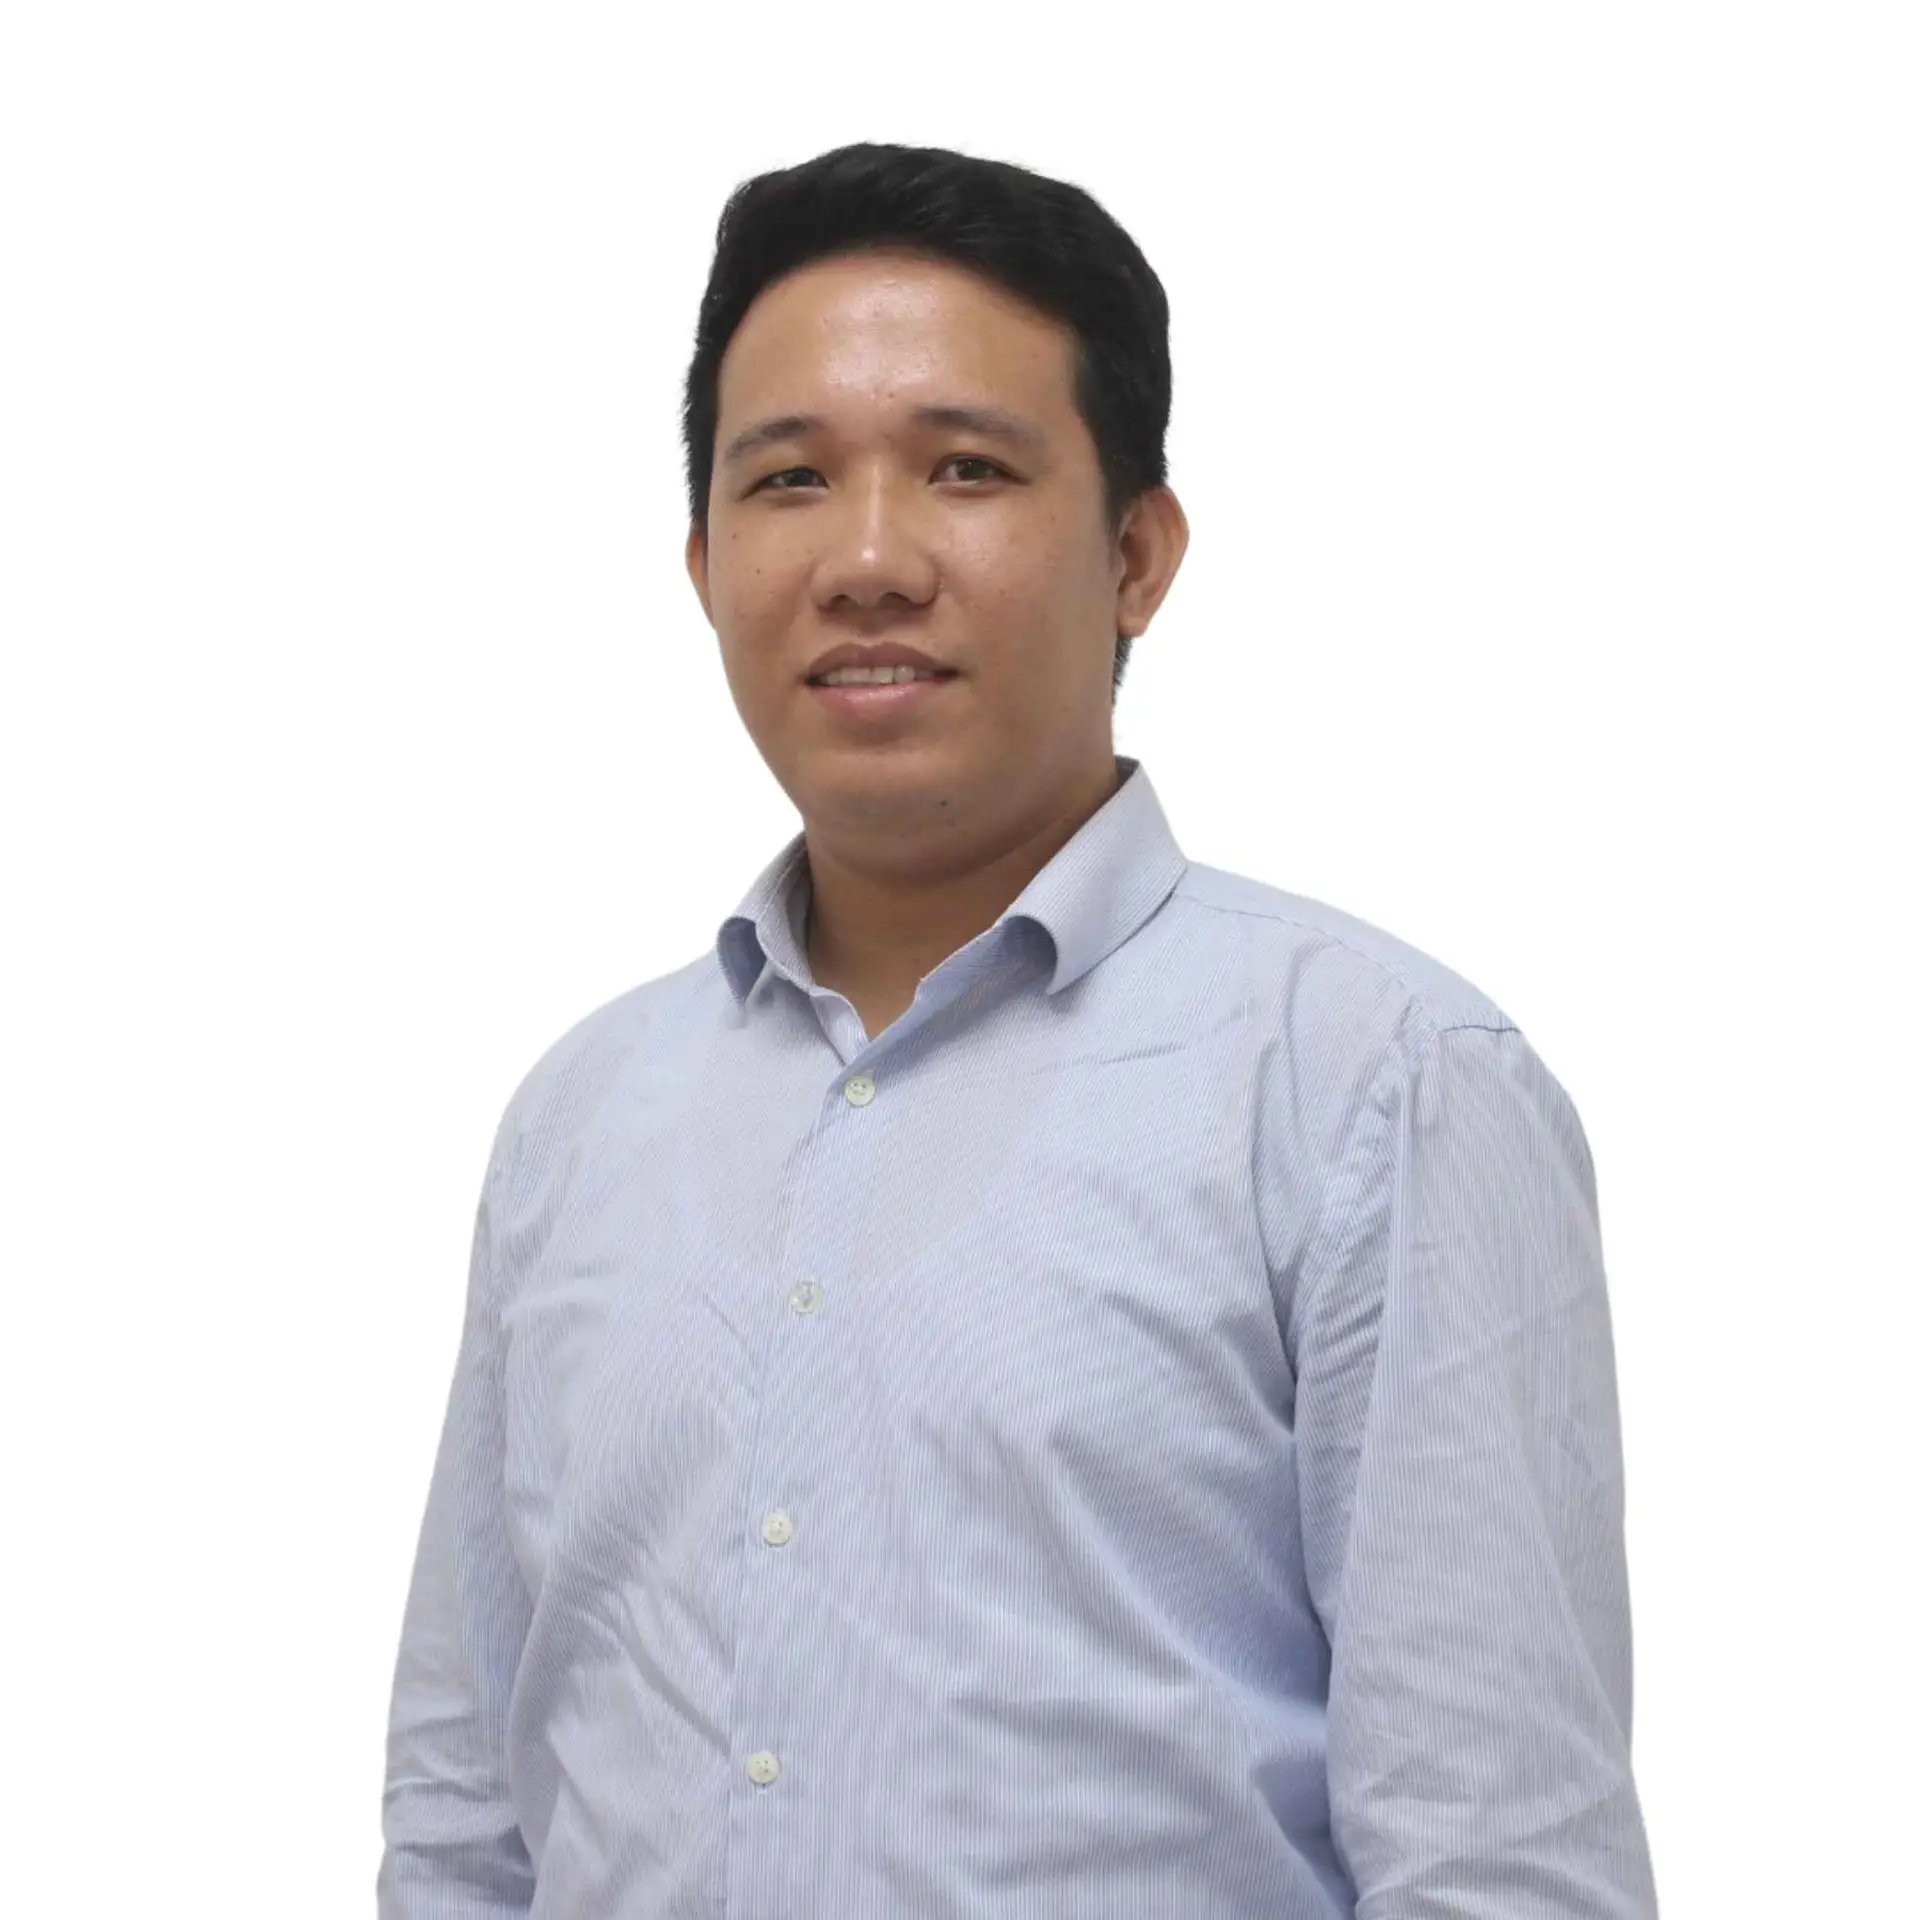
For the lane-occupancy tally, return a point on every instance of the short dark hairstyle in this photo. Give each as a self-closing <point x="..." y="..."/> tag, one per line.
<point x="1046" y="241"/>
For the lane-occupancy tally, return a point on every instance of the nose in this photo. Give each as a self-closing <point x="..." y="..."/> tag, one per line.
<point x="875" y="543"/>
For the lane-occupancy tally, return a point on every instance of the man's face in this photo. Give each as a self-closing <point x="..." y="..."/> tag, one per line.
<point x="985" y="552"/>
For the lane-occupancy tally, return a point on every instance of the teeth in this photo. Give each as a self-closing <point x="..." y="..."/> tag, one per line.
<point x="873" y="676"/>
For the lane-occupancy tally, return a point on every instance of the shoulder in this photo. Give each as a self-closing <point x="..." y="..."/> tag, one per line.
<point x="1368" y="1049"/>
<point x="1317" y="960"/>
<point x="577" y="1072"/>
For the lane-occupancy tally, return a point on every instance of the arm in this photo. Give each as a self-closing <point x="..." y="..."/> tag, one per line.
<point x="1459" y="1446"/>
<point x="453" y="1849"/>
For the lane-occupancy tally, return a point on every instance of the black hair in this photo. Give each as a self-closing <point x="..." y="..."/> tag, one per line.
<point x="1046" y="241"/>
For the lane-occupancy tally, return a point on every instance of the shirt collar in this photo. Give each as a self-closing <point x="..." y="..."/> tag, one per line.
<point x="1095" y="893"/>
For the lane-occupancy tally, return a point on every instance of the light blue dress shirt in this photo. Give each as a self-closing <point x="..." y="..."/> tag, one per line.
<point x="1138" y="1438"/>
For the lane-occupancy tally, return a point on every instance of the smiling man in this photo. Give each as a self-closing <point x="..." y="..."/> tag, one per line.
<point x="1035" y="1377"/>
<point x="907" y="487"/>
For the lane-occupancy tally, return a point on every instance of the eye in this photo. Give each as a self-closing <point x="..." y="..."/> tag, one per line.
<point x="994" y="469"/>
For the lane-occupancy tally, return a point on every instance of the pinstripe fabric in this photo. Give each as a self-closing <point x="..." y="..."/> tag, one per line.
<point x="1138" y="1438"/>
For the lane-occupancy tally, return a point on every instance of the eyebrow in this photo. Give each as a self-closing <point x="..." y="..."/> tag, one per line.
<point x="993" y="423"/>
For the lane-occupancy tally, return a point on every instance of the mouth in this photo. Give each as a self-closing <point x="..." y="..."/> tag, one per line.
<point x="870" y="702"/>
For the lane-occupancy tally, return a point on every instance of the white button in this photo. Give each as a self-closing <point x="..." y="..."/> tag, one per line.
<point x="859" y="1090"/>
<point x="777" y="1528"/>
<point x="805" y="1298"/>
<point x="763" y="1769"/>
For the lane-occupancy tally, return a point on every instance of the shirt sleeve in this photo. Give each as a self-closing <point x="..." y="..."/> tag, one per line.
<point x="453" y="1848"/>
<point x="1458" y="1439"/>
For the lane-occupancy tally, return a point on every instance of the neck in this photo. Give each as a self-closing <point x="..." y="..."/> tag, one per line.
<point x="877" y="925"/>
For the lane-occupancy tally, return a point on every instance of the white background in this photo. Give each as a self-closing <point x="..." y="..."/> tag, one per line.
<point x="1546" y="415"/>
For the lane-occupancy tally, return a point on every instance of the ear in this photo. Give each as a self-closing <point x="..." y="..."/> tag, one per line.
<point x="697" y="569"/>
<point x="1153" y="542"/>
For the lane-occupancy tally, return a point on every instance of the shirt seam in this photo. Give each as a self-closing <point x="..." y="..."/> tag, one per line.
<point x="1343" y="1186"/>
<point x="1343" y="1194"/>
<point x="1414" y="992"/>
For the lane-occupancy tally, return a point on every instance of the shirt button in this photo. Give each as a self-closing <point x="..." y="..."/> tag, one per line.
<point x="805" y="1298"/>
<point x="777" y="1528"/>
<point x="859" y="1090"/>
<point x="763" y="1769"/>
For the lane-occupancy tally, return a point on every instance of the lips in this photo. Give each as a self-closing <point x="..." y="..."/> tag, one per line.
<point x="926" y="672"/>
<point x="873" y="702"/>
<point x="885" y="653"/>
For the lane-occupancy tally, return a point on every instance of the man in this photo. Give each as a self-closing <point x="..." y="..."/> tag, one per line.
<point x="1037" y="1377"/>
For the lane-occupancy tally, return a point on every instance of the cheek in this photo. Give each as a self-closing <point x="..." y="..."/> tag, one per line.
<point x="1027" y="574"/>
<point x="749" y="580"/>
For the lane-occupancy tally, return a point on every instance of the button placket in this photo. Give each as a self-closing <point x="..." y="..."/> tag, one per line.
<point x="777" y="1526"/>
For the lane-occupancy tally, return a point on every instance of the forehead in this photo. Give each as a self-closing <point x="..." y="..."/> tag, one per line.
<point x="876" y="329"/>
